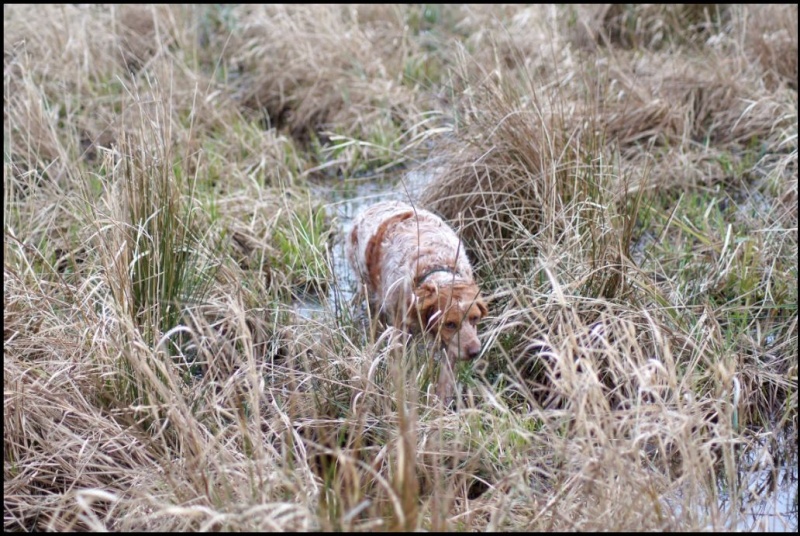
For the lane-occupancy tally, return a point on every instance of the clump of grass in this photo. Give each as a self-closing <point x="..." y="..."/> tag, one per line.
<point x="162" y="253"/>
<point x="772" y="39"/>
<point x="302" y="243"/>
<point x="330" y="75"/>
<point x="515" y="175"/>
<point x="645" y="26"/>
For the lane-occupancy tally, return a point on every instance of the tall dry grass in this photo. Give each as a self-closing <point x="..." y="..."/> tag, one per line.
<point x="624" y="178"/>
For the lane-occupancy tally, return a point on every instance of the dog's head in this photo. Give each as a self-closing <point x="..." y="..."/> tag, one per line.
<point x="450" y="313"/>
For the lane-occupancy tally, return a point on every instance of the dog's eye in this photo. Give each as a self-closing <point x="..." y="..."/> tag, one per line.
<point x="451" y="325"/>
<point x="473" y="320"/>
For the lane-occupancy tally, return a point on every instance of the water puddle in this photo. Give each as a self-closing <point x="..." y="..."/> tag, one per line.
<point x="768" y="485"/>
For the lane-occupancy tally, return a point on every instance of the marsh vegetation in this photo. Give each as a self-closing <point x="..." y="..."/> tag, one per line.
<point x="177" y="179"/>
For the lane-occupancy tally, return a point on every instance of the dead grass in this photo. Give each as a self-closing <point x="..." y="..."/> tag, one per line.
<point x="771" y="39"/>
<point x="625" y="179"/>
<point x="329" y="74"/>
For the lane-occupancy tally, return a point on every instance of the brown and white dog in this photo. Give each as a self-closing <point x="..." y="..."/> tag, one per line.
<point x="418" y="277"/>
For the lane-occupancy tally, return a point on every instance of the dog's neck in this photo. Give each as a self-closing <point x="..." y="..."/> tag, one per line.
<point x="422" y="277"/>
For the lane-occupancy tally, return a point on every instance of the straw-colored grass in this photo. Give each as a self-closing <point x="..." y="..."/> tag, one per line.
<point x="625" y="181"/>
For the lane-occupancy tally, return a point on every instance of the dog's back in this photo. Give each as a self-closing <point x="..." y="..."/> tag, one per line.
<point x="392" y="244"/>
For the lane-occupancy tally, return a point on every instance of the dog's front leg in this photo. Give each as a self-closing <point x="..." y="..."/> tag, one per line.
<point x="446" y="388"/>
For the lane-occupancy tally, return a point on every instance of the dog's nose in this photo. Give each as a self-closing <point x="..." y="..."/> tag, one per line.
<point x="473" y="351"/>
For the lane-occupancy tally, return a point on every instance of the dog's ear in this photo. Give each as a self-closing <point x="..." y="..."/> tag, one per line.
<point x="427" y="301"/>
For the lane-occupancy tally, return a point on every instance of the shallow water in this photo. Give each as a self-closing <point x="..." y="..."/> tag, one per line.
<point x="768" y="484"/>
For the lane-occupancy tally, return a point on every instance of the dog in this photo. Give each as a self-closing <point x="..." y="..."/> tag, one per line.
<point x="417" y="276"/>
